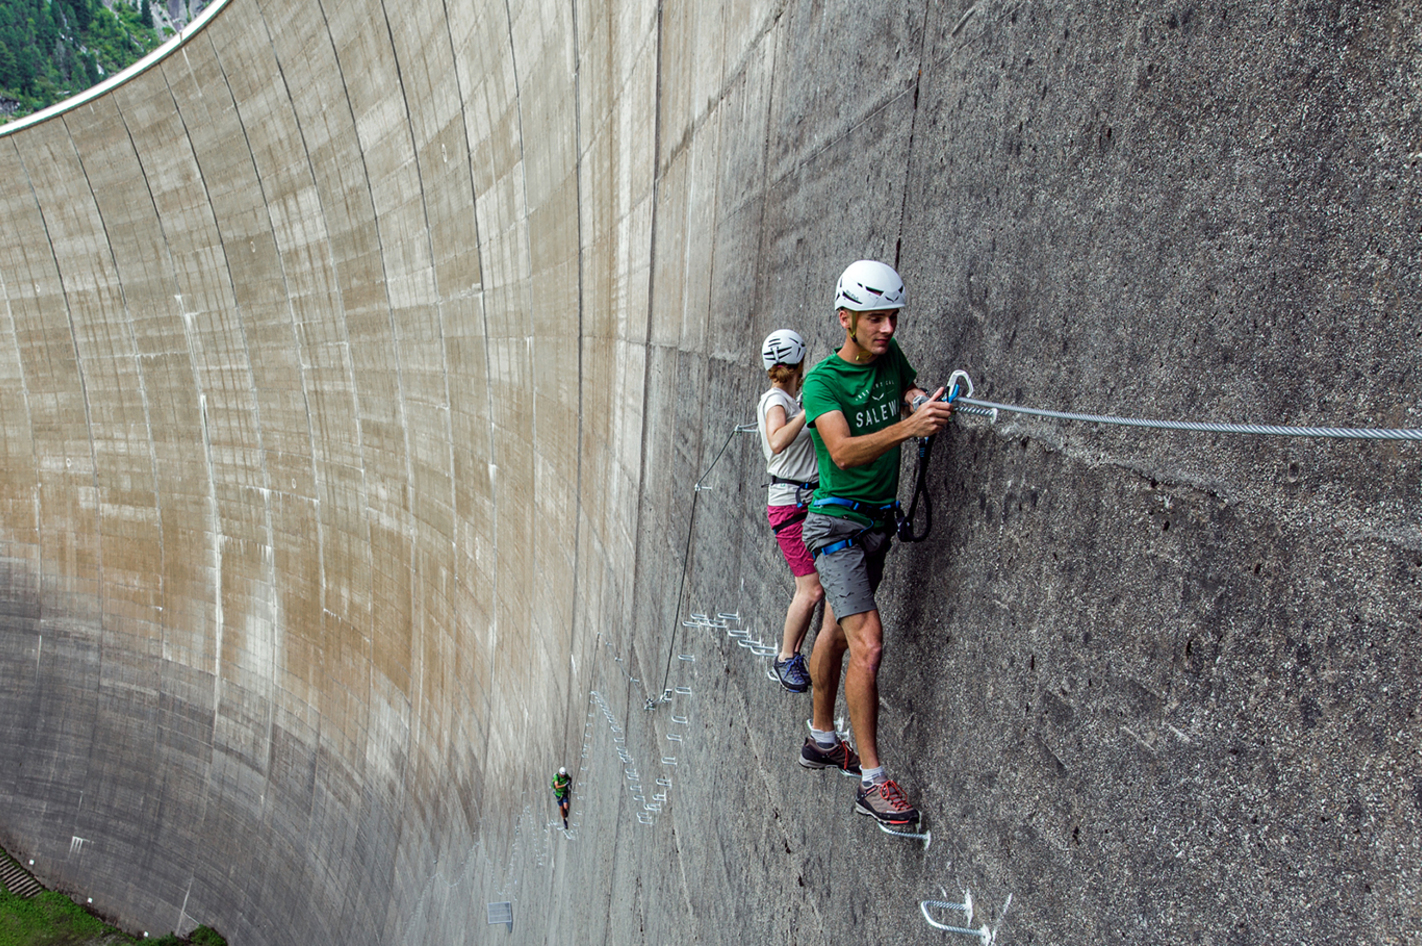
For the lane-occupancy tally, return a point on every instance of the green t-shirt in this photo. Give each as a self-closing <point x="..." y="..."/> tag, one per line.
<point x="560" y="785"/>
<point x="871" y="398"/>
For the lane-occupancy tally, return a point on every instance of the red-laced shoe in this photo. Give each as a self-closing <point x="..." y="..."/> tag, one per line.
<point x="886" y="802"/>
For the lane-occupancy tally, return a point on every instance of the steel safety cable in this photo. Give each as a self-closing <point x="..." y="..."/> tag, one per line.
<point x="652" y="701"/>
<point x="991" y="409"/>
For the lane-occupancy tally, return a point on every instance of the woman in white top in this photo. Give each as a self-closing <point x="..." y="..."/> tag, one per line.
<point x="790" y="460"/>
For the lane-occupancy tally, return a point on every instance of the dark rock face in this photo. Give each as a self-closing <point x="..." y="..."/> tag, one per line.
<point x="310" y="578"/>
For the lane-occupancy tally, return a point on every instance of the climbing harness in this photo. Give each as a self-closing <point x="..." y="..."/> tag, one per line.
<point x="991" y="409"/>
<point x="803" y="491"/>
<point x="879" y="513"/>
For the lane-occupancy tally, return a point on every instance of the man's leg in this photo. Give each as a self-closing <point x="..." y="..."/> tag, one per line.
<point x="864" y="635"/>
<point x="825" y="661"/>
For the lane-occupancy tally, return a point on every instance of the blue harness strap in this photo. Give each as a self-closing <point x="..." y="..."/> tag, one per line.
<point x="876" y="511"/>
<point x="873" y="510"/>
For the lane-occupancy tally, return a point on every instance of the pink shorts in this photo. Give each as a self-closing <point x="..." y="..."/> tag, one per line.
<point x="791" y="545"/>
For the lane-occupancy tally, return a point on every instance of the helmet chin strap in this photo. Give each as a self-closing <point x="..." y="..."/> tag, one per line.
<point x="852" y="335"/>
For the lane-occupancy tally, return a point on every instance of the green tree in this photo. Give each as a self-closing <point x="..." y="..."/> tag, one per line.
<point x="50" y="49"/>
<point x="7" y="66"/>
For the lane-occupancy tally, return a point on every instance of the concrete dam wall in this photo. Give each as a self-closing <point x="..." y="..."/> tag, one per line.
<point x="359" y="361"/>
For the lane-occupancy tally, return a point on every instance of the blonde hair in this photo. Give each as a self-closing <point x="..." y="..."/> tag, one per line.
<point x="781" y="374"/>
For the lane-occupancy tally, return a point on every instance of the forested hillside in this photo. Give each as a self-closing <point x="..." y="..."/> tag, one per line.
<point x="52" y="49"/>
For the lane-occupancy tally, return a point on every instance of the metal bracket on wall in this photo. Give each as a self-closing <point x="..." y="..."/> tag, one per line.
<point x="926" y="837"/>
<point x="986" y="936"/>
<point x="501" y="912"/>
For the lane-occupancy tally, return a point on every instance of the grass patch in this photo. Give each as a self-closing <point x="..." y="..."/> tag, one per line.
<point x="52" y="919"/>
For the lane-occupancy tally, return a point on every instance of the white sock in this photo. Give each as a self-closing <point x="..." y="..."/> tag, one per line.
<point x="870" y="776"/>
<point x="825" y="740"/>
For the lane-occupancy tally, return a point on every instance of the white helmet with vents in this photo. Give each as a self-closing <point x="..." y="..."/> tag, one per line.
<point x="869" y="286"/>
<point x="782" y="347"/>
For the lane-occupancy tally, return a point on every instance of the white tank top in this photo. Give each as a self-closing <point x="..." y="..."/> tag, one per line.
<point x="797" y="461"/>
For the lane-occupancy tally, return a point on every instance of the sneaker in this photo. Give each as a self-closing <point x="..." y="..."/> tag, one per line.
<point x="840" y="757"/>
<point x="793" y="674"/>
<point x="886" y="802"/>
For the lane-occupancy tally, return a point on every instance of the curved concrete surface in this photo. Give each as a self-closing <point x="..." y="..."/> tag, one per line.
<point x="360" y="358"/>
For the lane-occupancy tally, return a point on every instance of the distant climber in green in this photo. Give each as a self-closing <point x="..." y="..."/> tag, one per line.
<point x="562" y="786"/>
<point x="855" y="403"/>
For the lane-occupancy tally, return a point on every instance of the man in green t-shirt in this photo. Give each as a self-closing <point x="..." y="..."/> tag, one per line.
<point x="562" y="786"/>
<point x="855" y="401"/>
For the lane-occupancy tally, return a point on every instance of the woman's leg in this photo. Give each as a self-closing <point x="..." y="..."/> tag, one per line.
<point x="808" y="593"/>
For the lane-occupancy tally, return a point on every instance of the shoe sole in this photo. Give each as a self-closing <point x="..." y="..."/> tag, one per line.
<point x="827" y="765"/>
<point x="861" y="809"/>
<point x="789" y="689"/>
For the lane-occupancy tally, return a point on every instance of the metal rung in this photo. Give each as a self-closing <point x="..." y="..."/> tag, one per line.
<point x="668" y="760"/>
<point x="984" y="935"/>
<point x="684" y="691"/>
<point x="682" y="720"/>
<point x="674" y="737"/>
<point x="926" y="837"/>
<point x="644" y="818"/>
<point x="664" y="781"/>
<point x="689" y="658"/>
<point x="728" y="615"/>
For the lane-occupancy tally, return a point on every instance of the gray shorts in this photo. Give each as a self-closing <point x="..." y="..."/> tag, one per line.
<point x="852" y="575"/>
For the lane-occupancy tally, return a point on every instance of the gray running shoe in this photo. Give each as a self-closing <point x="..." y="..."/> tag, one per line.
<point x="886" y="803"/>
<point x="793" y="674"/>
<point x="840" y="757"/>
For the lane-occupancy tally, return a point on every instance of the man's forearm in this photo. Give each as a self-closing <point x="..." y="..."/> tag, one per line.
<point x="857" y="451"/>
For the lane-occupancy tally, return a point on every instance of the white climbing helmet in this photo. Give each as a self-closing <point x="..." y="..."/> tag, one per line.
<point x="562" y="770"/>
<point x="782" y="347"/>
<point x="868" y="286"/>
